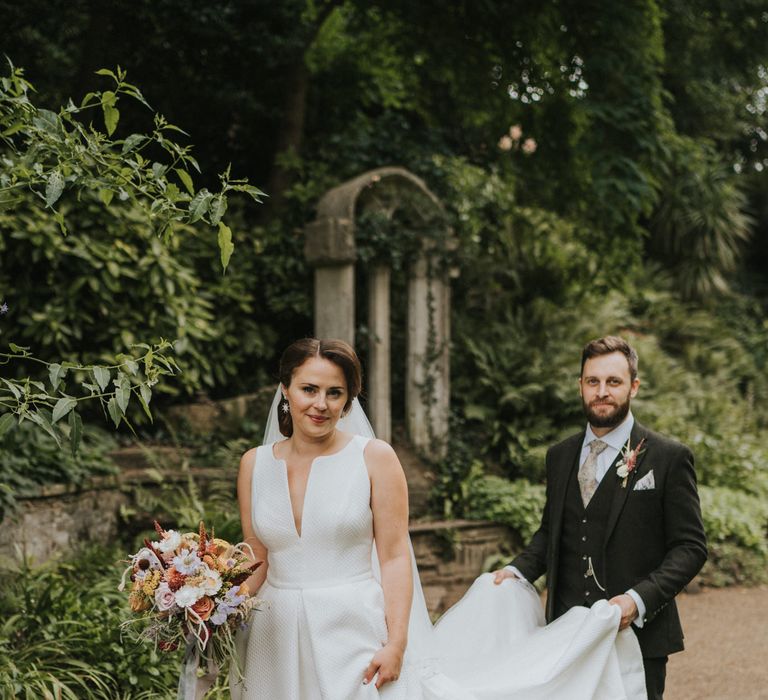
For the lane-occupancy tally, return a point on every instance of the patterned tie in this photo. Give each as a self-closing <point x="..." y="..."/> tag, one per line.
<point x="588" y="471"/>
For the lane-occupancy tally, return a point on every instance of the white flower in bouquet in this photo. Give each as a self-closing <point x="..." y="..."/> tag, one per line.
<point x="187" y="562"/>
<point x="210" y="580"/>
<point x="146" y="560"/>
<point x="169" y="542"/>
<point x="187" y="596"/>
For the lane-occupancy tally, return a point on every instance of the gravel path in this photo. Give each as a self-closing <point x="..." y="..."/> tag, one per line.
<point x="726" y="646"/>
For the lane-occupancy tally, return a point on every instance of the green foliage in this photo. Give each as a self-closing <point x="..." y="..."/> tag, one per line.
<point x="182" y="505"/>
<point x="109" y="283"/>
<point x="736" y="517"/>
<point x="713" y="51"/>
<point x="112" y="387"/>
<point x="620" y="143"/>
<point x="61" y="635"/>
<point x="395" y="227"/>
<point x="30" y="458"/>
<point x="47" y="156"/>
<point x="737" y="533"/>
<point x="454" y="475"/>
<point x="515" y="503"/>
<point x="700" y="225"/>
<point x="730" y="564"/>
<point x="47" y="153"/>
<point x="110" y="280"/>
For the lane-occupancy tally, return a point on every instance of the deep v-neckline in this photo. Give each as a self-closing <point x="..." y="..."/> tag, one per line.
<point x="299" y="532"/>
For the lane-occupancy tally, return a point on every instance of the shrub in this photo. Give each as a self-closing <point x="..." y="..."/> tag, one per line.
<point x="62" y="635"/>
<point x="518" y="504"/>
<point x="735" y="517"/>
<point x="90" y="227"/>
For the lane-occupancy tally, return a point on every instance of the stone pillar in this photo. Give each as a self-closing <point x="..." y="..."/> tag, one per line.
<point x="379" y="353"/>
<point x="330" y="247"/>
<point x="441" y="291"/>
<point x="427" y="390"/>
<point x="335" y="302"/>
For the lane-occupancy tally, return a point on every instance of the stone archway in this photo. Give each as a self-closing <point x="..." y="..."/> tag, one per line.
<point x="330" y="248"/>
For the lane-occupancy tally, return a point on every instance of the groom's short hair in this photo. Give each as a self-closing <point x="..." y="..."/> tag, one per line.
<point x="607" y="345"/>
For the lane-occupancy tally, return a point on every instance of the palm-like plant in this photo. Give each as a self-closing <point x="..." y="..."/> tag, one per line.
<point x="700" y="224"/>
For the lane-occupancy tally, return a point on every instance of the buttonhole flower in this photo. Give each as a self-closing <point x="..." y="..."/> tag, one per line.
<point x="628" y="461"/>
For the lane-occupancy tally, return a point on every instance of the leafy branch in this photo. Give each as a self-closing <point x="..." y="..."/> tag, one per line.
<point x="114" y="386"/>
<point x="48" y="153"/>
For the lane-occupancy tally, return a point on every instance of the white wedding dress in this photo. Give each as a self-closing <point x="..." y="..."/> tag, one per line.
<point x="323" y="614"/>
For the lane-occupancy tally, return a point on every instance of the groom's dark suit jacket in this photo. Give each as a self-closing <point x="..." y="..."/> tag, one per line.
<point x="652" y="540"/>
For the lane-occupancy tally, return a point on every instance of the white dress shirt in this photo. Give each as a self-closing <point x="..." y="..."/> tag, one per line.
<point x="615" y="440"/>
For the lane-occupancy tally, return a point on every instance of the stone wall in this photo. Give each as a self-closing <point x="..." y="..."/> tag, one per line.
<point x="58" y="519"/>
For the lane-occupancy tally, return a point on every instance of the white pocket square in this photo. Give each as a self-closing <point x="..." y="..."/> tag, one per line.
<point x="646" y="483"/>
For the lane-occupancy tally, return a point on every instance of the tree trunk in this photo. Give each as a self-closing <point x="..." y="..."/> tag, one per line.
<point x="291" y="132"/>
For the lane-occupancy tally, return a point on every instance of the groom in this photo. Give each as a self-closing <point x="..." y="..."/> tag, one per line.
<point x="622" y="519"/>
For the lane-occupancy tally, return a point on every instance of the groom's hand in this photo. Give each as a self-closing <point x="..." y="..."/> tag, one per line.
<point x="501" y="574"/>
<point x="628" y="609"/>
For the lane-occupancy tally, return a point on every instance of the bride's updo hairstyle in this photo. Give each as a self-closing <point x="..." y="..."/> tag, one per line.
<point x="337" y="351"/>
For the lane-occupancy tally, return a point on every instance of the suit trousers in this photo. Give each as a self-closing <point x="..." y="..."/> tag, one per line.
<point x="655" y="676"/>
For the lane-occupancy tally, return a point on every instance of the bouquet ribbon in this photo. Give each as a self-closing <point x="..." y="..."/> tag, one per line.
<point x="191" y="685"/>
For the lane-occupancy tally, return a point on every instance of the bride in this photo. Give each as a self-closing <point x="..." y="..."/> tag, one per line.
<point x="325" y="506"/>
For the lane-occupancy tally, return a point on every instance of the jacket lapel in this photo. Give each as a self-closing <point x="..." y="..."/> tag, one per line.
<point x="621" y="492"/>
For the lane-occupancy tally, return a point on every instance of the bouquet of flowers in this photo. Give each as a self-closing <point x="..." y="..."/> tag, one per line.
<point x="188" y="589"/>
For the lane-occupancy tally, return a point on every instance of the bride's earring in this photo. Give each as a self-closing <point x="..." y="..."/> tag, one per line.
<point x="285" y="406"/>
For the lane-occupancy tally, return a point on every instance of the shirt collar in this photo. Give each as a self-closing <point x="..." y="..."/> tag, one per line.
<point x="617" y="438"/>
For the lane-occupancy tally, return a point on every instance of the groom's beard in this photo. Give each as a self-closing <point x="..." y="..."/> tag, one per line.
<point x="609" y="419"/>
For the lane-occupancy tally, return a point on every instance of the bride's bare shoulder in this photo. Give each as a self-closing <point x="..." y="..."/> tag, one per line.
<point x="380" y="455"/>
<point x="248" y="460"/>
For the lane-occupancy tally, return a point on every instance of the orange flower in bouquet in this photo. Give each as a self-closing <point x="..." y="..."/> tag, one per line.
<point x="204" y="607"/>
